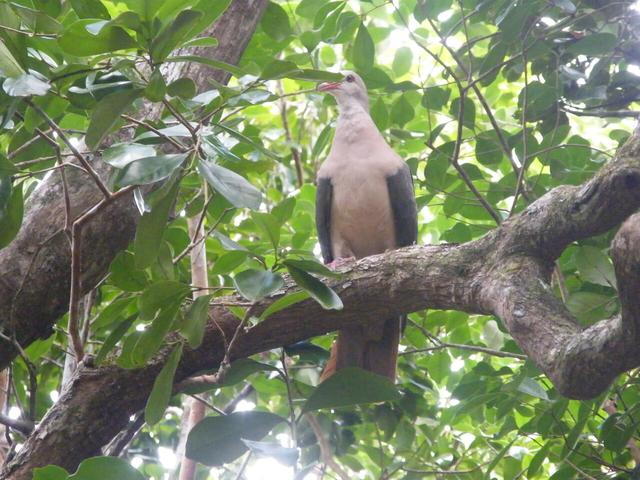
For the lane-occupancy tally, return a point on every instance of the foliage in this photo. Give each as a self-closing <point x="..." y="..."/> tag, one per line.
<point x="493" y="103"/>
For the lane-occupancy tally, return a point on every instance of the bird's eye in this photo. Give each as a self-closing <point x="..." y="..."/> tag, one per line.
<point x="349" y="78"/>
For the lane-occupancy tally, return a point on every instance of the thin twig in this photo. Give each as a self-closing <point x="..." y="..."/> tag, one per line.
<point x="292" y="414"/>
<point x="85" y="163"/>
<point x="325" y="448"/>
<point x="153" y="129"/>
<point x="23" y="426"/>
<point x="295" y="154"/>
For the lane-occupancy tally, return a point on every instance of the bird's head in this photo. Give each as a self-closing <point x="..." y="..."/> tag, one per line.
<point x="351" y="89"/>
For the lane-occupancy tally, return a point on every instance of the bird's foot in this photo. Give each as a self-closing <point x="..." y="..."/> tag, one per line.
<point x="339" y="262"/>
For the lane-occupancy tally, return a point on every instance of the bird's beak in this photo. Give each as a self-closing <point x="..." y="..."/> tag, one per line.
<point x="325" y="87"/>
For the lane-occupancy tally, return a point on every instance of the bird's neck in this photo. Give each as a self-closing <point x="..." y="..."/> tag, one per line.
<point x="353" y="118"/>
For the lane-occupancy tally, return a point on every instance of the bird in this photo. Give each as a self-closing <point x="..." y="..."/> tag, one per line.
<point x="365" y="205"/>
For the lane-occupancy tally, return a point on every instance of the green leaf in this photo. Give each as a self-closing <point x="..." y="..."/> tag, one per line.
<point x="148" y="239"/>
<point x="351" y="386"/>
<point x="402" y="111"/>
<point x="125" y="275"/>
<point x="11" y="216"/>
<point x="173" y="34"/>
<point x="76" y="39"/>
<point x="162" y="387"/>
<point x="469" y="114"/>
<point x="269" y="226"/>
<point x="25" y="85"/>
<point x="533" y="388"/>
<point x="9" y="66"/>
<point x="183" y="88"/>
<point x="364" y="50"/>
<point x="6" y="186"/>
<point x="315" y="75"/>
<point x="106" y="468"/>
<point x="285" y="455"/>
<point x="275" y="22"/>
<point x="430" y="9"/>
<point x="322" y="141"/>
<point x="113" y="311"/>
<point x="318" y="290"/>
<point x="90" y="9"/>
<point x="284" y="302"/>
<point x="497" y="459"/>
<point x="113" y="338"/>
<point x="230" y="185"/>
<point x="594" y="266"/>
<point x="435" y="97"/>
<point x="257" y="284"/>
<point x="159" y="295"/>
<point x="242" y="368"/>
<point x="107" y="113"/>
<point x="218" y="440"/>
<point x="312" y="266"/>
<point x="247" y="140"/>
<point x="196" y="321"/>
<point x="538" y="459"/>
<point x="279" y="69"/>
<point x="151" y="339"/>
<point x="149" y="169"/>
<point x="50" y="472"/>
<point x="594" y="45"/>
<point x="120" y="155"/>
<point x="156" y="88"/>
<point x="402" y="61"/>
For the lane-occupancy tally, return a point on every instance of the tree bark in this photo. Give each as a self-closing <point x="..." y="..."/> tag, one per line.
<point x="35" y="268"/>
<point x="505" y="273"/>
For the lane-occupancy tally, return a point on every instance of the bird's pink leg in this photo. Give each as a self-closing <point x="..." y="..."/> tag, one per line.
<point x="340" y="261"/>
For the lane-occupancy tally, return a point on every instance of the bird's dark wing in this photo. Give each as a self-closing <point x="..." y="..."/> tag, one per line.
<point x="324" y="194"/>
<point x="403" y="205"/>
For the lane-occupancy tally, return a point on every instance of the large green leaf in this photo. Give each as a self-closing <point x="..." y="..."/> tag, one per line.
<point x="284" y="302"/>
<point x="218" y="440"/>
<point x="230" y="185"/>
<point x="107" y="114"/>
<point x="594" y="44"/>
<point x="256" y="284"/>
<point x="351" y="386"/>
<point x="9" y="66"/>
<point x="275" y="22"/>
<point x="318" y="290"/>
<point x="106" y="468"/>
<point x="159" y="295"/>
<point x="196" y="320"/>
<point x="90" y="9"/>
<point x="176" y="32"/>
<point x="50" y="472"/>
<point x="149" y="169"/>
<point x="364" y="50"/>
<point x="120" y="155"/>
<point x="162" y="388"/>
<point x="77" y="39"/>
<point x="148" y="239"/>
<point x="594" y="266"/>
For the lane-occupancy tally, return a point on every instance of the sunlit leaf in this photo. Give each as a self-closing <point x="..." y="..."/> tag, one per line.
<point x="218" y="440"/>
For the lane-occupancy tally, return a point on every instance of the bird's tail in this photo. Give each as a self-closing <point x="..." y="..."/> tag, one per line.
<point x="371" y="347"/>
